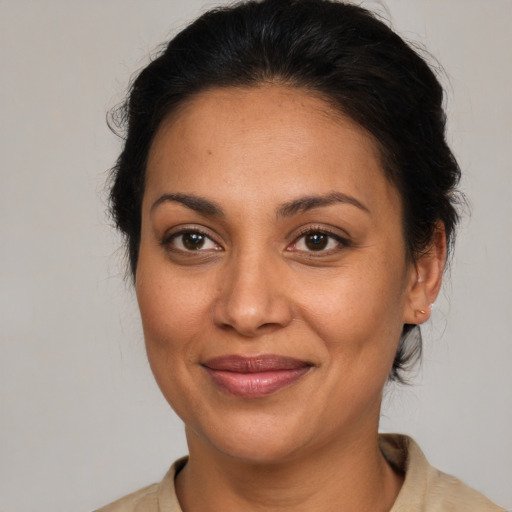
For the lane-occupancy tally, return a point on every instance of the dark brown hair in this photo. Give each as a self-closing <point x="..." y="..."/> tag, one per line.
<point x="337" y="50"/>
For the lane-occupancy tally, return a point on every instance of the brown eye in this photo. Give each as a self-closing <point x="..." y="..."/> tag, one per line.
<point x="316" y="241"/>
<point x="189" y="241"/>
<point x="193" y="241"/>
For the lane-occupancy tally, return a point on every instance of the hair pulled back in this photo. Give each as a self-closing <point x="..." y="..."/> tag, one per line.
<point x="338" y="51"/>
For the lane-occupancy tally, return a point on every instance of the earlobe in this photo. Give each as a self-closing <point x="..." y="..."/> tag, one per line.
<point x="426" y="279"/>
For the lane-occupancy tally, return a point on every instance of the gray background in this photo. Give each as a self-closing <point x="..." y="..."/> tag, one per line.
<point x="81" y="420"/>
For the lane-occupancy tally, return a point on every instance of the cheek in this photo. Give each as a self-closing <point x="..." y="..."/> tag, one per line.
<point x="170" y="306"/>
<point x="171" y="316"/>
<point x="167" y="317"/>
<point x="358" y="312"/>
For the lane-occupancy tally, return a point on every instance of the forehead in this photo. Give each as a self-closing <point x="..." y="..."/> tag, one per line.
<point x="262" y="142"/>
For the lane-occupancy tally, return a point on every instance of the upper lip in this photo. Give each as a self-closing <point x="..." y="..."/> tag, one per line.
<point x="254" y="364"/>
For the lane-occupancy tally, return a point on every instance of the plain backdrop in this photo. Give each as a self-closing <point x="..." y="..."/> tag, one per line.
<point x="81" y="420"/>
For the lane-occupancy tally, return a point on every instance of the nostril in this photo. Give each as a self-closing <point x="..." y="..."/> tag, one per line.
<point x="268" y="327"/>
<point x="250" y="305"/>
<point x="249" y="330"/>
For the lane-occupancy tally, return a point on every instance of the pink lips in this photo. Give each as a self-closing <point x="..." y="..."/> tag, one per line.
<point x="253" y="377"/>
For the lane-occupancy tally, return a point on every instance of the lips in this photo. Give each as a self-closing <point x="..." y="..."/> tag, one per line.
<point x="253" y="377"/>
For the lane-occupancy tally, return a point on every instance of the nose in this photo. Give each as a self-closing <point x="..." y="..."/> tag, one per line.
<point x="252" y="299"/>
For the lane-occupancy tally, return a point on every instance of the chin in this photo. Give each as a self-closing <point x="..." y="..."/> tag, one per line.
<point x="260" y="451"/>
<point x="256" y="439"/>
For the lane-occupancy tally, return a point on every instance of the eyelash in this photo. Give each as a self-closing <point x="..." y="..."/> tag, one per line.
<point x="168" y="240"/>
<point x="342" y="242"/>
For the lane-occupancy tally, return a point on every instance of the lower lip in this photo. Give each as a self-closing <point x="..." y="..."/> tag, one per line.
<point x="254" y="385"/>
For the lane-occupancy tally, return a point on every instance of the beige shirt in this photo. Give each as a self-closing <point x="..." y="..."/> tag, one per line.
<point x="425" y="489"/>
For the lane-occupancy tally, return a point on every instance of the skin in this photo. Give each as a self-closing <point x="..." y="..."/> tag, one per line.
<point x="255" y="287"/>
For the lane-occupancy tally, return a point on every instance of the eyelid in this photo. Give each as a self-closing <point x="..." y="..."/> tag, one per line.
<point x="170" y="235"/>
<point x="337" y="233"/>
<point x="311" y="229"/>
<point x="176" y="231"/>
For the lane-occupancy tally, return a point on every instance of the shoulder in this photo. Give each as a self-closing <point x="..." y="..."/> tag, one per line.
<point x="145" y="499"/>
<point x="159" y="497"/>
<point x="448" y="493"/>
<point x="426" y="488"/>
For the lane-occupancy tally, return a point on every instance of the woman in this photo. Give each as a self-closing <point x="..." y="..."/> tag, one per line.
<point x="288" y="201"/>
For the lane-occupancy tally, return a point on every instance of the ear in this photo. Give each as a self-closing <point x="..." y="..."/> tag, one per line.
<point x="425" y="279"/>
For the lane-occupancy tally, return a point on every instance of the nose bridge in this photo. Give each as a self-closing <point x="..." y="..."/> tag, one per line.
<point x="251" y="298"/>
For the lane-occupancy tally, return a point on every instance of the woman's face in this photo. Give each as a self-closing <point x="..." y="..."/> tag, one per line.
<point x="272" y="278"/>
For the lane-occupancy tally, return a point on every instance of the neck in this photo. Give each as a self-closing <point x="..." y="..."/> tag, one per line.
<point x="347" y="474"/>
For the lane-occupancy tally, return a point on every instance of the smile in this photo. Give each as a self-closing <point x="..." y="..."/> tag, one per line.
<point x="253" y="377"/>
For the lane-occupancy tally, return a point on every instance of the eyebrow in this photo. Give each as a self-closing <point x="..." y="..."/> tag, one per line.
<point x="303" y="204"/>
<point x="196" y="203"/>
<point x="299" y="205"/>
